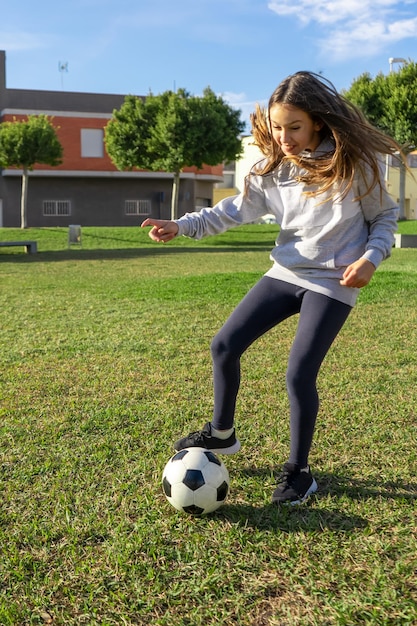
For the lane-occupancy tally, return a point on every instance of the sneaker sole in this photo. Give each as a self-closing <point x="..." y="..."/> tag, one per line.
<point x="230" y="450"/>
<point x="312" y="489"/>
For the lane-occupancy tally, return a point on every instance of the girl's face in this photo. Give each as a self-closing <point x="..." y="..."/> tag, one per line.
<point x="293" y="129"/>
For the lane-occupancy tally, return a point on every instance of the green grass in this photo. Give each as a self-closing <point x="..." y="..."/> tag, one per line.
<point x="407" y="227"/>
<point x="105" y="361"/>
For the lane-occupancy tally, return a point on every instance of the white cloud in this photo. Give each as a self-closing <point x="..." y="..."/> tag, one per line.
<point x="366" y="39"/>
<point x="234" y="99"/>
<point x="352" y="28"/>
<point x="17" y="41"/>
<point x="320" y="11"/>
<point x="240" y="101"/>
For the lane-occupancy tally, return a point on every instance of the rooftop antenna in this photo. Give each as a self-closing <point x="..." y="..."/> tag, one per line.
<point x="62" y="68"/>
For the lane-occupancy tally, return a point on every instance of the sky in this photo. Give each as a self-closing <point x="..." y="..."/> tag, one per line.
<point x="241" y="49"/>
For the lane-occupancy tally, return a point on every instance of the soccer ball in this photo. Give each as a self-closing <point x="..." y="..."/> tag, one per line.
<point x="195" y="481"/>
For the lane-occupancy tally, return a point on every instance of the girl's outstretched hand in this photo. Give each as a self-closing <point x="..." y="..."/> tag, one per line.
<point x="162" y="230"/>
<point x="358" y="274"/>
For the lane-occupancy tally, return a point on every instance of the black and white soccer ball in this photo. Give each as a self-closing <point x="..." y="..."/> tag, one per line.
<point x="195" y="481"/>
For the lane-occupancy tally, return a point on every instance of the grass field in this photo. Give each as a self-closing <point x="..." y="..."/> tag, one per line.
<point x="105" y="361"/>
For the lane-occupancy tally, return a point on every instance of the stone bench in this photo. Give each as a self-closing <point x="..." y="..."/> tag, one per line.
<point x="31" y="246"/>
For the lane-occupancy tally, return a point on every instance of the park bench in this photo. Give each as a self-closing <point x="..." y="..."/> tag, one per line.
<point x="31" y="246"/>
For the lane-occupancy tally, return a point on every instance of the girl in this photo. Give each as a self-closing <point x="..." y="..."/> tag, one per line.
<point x="321" y="178"/>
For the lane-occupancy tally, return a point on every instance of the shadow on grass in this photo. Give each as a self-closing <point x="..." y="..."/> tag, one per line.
<point x="309" y="518"/>
<point x="354" y="488"/>
<point x="303" y="518"/>
<point x="124" y="253"/>
<point x="215" y="240"/>
<point x="365" y="488"/>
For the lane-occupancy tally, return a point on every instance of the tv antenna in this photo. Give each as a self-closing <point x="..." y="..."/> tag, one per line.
<point x="62" y="68"/>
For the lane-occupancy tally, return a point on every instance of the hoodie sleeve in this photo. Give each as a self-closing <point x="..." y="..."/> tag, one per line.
<point x="229" y="212"/>
<point x="381" y="214"/>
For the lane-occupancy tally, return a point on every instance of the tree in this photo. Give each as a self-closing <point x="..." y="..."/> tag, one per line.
<point x="390" y="103"/>
<point x="173" y="130"/>
<point x="25" y="143"/>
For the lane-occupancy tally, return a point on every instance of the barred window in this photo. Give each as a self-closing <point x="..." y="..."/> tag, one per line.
<point x="57" y="207"/>
<point x="137" y="207"/>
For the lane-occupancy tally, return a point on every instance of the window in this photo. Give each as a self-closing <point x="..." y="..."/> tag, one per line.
<point x="137" y="207"/>
<point x="57" y="207"/>
<point x="412" y="159"/>
<point x="228" y="181"/>
<point x="92" y="142"/>
<point x="201" y="203"/>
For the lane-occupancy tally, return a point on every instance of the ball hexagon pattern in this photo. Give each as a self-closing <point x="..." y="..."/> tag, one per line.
<point x="195" y="481"/>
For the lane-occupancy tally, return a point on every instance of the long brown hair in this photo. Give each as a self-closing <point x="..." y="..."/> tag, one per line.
<point x="356" y="143"/>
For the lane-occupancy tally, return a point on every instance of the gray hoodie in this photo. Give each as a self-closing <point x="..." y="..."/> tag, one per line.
<point x="319" y="236"/>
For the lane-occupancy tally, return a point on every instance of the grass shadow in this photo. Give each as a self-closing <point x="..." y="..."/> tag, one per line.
<point x="308" y="517"/>
<point x="123" y="253"/>
<point x="365" y="488"/>
<point x="354" y="488"/>
<point x="287" y="519"/>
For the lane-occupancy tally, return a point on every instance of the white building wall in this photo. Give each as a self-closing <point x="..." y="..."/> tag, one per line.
<point x="251" y="155"/>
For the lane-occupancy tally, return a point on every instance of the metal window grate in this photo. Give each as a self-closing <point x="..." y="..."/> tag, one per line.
<point x="137" y="207"/>
<point x="56" y="207"/>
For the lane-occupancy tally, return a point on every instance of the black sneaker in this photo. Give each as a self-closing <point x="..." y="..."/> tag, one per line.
<point x="294" y="485"/>
<point x="204" y="439"/>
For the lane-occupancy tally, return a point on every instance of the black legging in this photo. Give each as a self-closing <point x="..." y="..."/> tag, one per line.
<point x="267" y="304"/>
